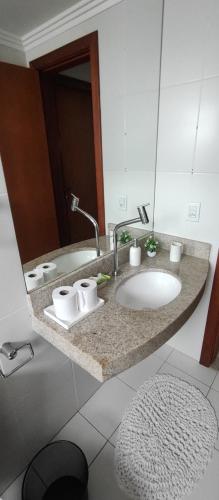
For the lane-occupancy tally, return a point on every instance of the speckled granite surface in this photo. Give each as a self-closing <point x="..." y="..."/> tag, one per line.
<point x="114" y="337"/>
<point x="82" y="245"/>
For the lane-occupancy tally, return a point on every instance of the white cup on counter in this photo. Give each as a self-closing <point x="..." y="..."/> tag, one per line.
<point x="176" y="250"/>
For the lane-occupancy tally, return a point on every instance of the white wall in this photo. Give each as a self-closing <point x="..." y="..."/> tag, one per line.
<point x="12" y="56"/>
<point x="37" y="400"/>
<point x="188" y="150"/>
<point x="129" y="54"/>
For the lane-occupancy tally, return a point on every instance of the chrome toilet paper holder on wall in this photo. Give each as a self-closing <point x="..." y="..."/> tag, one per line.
<point x="10" y="351"/>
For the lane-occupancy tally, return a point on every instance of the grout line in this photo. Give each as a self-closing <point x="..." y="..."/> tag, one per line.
<point x="92" y="425"/>
<point x="188" y="374"/>
<point x="158" y="115"/>
<point x="113" y="433"/>
<point x="99" y="452"/>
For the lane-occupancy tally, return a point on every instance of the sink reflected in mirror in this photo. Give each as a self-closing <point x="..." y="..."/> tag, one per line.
<point x="72" y="260"/>
<point x="148" y="290"/>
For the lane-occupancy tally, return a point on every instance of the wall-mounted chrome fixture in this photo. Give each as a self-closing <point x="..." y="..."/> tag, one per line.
<point x="10" y="350"/>
<point x="75" y="208"/>
<point x="143" y="217"/>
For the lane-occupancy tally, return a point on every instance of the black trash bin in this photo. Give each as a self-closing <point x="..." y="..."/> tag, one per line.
<point x="58" y="472"/>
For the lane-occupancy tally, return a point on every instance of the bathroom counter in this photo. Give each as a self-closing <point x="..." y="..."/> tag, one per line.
<point x="114" y="338"/>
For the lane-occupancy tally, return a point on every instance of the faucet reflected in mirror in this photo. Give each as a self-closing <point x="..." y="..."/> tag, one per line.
<point x="56" y="120"/>
<point x="75" y="208"/>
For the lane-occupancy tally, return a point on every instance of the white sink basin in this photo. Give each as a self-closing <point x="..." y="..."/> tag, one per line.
<point x="148" y="289"/>
<point x="70" y="261"/>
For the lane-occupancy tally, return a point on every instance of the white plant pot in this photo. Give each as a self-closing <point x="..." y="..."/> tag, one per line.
<point x="151" y="254"/>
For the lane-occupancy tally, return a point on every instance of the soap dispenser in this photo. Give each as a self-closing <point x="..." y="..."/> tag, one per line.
<point x="135" y="254"/>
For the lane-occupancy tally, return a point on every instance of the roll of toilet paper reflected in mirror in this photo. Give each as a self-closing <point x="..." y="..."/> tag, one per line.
<point x="87" y="294"/>
<point x="65" y="302"/>
<point x="176" y="250"/>
<point x="33" y="279"/>
<point x="49" y="270"/>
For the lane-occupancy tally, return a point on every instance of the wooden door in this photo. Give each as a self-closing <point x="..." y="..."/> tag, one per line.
<point x="24" y="152"/>
<point x="69" y="122"/>
<point x="76" y="140"/>
<point x="210" y="346"/>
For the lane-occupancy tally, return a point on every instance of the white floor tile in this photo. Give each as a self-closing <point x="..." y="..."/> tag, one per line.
<point x="172" y="370"/>
<point x="102" y="482"/>
<point x="215" y="384"/>
<point x="105" y="409"/>
<point x="192" y="367"/>
<point x="208" y="486"/>
<point x="80" y="432"/>
<point x="113" y="438"/>
<point x="164" y="351"/>
<point x="137" y="374"/>
<point x="14" y="491"/>
<point x="213" y="397"/>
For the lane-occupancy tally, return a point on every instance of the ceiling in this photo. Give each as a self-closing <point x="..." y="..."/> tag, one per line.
<point x="22" y="16"/>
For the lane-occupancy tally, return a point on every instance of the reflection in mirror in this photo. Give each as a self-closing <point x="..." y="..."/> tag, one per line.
<point x="52" y="145"/>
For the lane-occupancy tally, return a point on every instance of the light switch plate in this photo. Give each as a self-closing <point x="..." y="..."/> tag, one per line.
<point x="123" y="203"/>
<point x="193" y="214"/>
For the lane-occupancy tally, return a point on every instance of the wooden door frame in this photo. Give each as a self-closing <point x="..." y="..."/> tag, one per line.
<point x="210" y="344"/>
<point x="77" y="52"/>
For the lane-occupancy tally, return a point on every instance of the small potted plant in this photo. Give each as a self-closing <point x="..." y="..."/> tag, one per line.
<point x="151" y="246"/>
<point x="125" y="237"/>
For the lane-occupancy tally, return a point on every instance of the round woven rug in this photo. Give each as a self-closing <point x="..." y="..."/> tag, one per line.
<point x="166" y="440"/>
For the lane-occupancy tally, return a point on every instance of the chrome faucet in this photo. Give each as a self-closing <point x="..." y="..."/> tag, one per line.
<point x="143" y="217"/>
<point x="75" y="208"/>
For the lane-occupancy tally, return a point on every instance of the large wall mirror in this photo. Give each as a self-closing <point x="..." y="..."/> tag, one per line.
<point x="82" y="119"/>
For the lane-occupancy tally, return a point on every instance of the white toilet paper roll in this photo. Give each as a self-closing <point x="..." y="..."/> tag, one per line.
<point x="34" y="279"/>
<point x="87" y="294"/>
<point x="49" y="270"/>
<point x="176" y="250"/>
<point x="65" y="302"/>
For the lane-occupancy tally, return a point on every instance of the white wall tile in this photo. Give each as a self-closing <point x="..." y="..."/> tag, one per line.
<point x="142" y="23"/>
<point x="207" y="149"/>
<point x="141" y="130"/>
<point x="13" y="292"/>
<point x="179" y="107"/>
<point x="211" y="62"/>
<point x="113" y="127"/>
<point x="138" y="186"/>
<point x="173" y="193"/>
<point x="185" y="27"/>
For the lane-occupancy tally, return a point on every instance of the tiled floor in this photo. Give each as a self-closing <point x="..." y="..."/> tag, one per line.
<point x="95" y="427"/>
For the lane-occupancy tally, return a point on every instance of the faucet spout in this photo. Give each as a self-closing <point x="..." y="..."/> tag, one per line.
<point x="76" y="208"/>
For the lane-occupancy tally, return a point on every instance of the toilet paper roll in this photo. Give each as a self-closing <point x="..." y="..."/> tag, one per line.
<point x="65" y="302"/>
<point x="176" y="250"/>
<point x="49" y="270"/>
<point x="34" y="279"/>
<point x="87" y="294"/>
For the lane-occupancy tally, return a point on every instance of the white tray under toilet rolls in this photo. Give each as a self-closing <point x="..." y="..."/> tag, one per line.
<point x="73" y="303"/>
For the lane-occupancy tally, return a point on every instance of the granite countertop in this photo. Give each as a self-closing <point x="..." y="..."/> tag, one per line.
<point x="114" y="337"/>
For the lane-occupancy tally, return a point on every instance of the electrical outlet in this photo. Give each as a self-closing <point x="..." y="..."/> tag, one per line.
<point x="193" y="214"/>
<point x="123" y="203"/>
